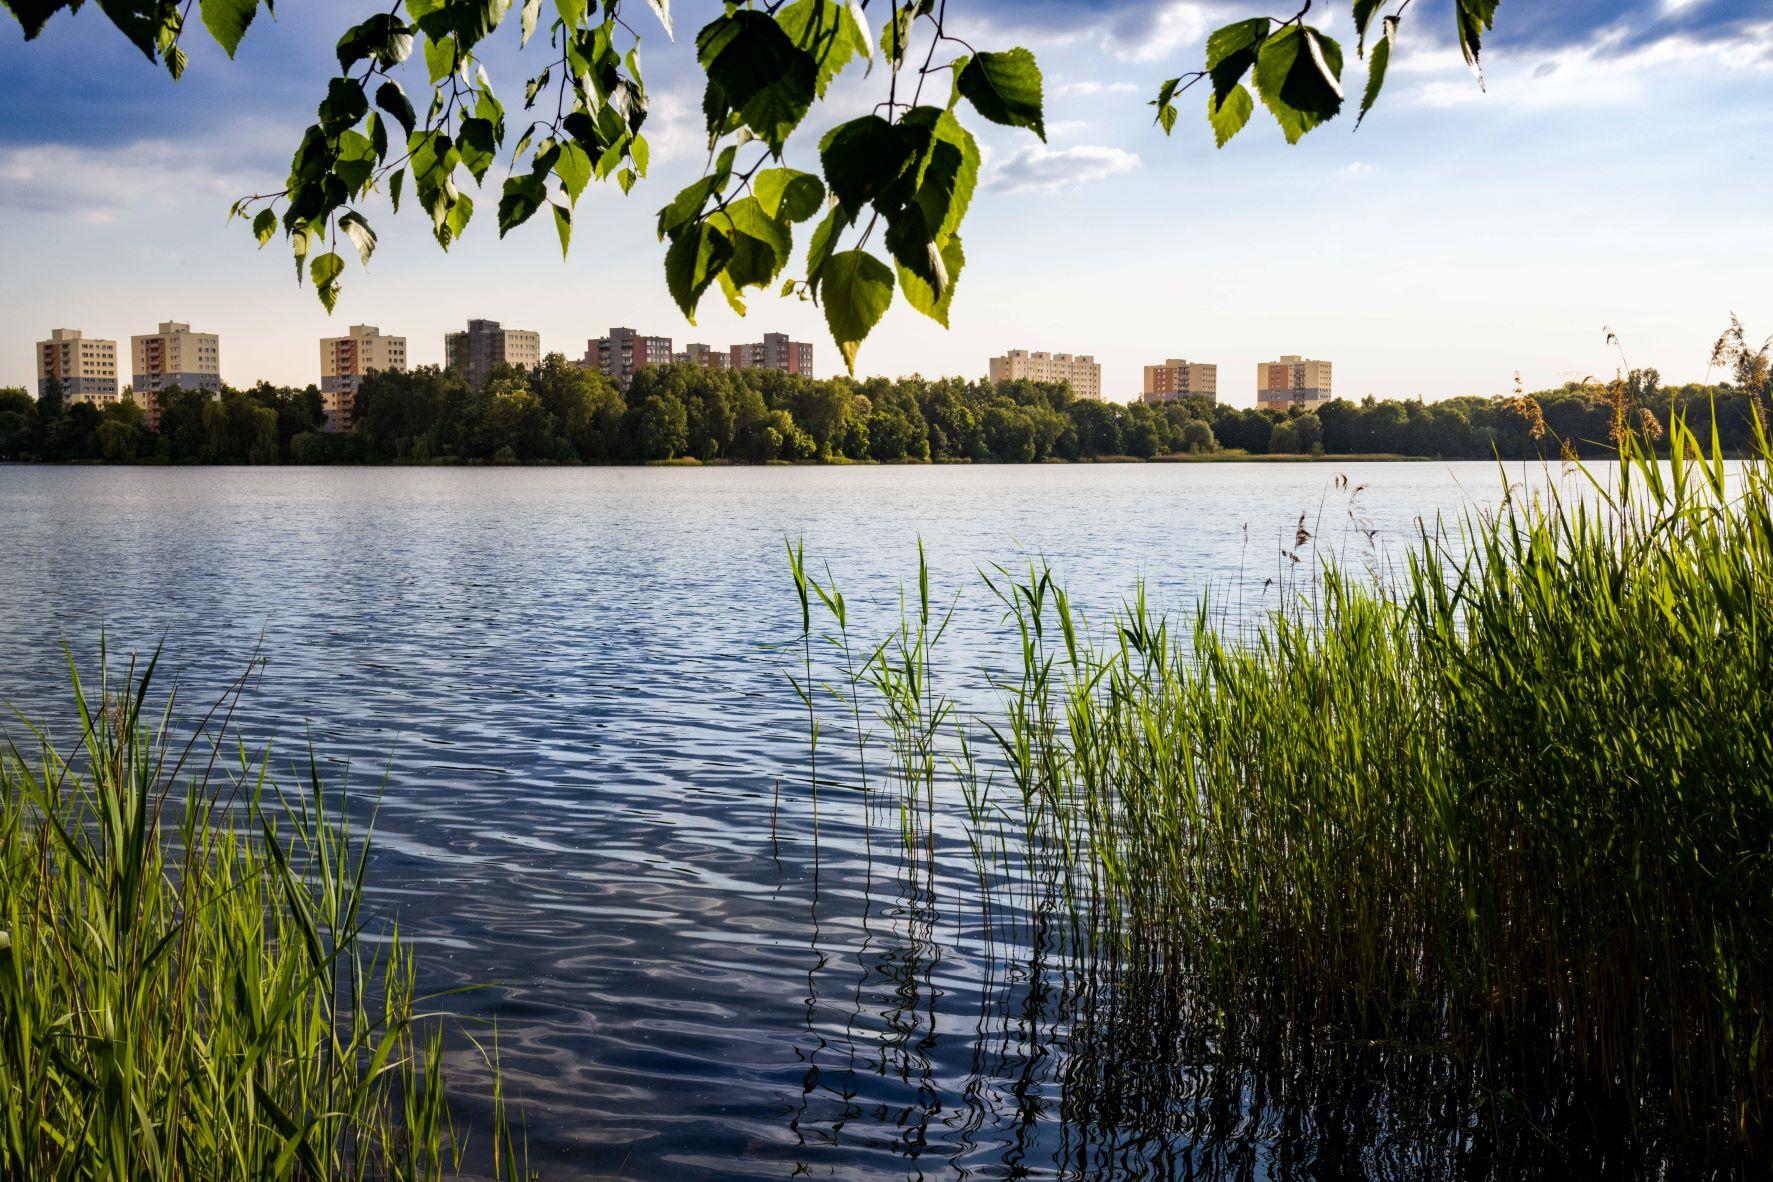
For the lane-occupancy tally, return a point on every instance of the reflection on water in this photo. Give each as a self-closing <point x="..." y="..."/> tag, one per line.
<point x="591" y="779"/>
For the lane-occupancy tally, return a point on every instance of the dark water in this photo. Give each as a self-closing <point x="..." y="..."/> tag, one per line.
<point x="561" y="684"/>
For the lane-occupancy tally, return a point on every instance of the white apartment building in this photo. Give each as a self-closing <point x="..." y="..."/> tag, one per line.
<point x="1079" y="370"/>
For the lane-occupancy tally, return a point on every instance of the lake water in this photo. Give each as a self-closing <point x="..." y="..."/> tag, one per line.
<point x="591" y="769"/>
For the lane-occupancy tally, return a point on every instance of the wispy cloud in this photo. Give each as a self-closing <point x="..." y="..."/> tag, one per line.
<point x="1040" y="169"/>
<point x="99" y="185"/>
<point x="1153" y="32"/>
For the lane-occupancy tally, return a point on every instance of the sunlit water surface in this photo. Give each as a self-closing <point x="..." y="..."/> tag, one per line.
<point x="562" y="685"/>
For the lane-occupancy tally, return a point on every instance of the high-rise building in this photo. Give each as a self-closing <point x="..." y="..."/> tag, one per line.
<point x="1079" y="370"/>
<point x="343" y="363"/>
<point x="1293" y="381"/>
<point x="775" y="351"/>
<point x="86" y="368"/>
<point x="171" y="356"/>
<point x="1180" y="379"/>
<point x="484" y="346"/>
<point x="623" y="352"/>
<point x="704" y="356"/>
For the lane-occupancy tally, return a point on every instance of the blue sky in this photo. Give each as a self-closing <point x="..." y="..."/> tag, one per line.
<point x="1615" y="171"/>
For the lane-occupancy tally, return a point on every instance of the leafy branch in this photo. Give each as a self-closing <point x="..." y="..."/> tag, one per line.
<point x="1296" y="68"/>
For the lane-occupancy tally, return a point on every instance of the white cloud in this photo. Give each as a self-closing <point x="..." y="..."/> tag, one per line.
<point x="1088" y="88"/>
<point x="98" y="184"/>
<point x="1150" y="33"/>
<point x="1040" y="169"/>
<point x="1602" y="72"/>
<point x="1355" y="168"/>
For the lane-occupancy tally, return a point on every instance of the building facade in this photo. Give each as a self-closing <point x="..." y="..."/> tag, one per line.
<point x="704" y="357"/>
<point x="775" y="351"/>
<point x="1291" y="382"/>
<point x="344" y="361"/>
<point x="172" y="356"/>
<point x="1176" y="378"/>
<point x="624" y="352"/>
<point x="86" y="368"/>
<point x="1079" y="370"/>
<point x="475" y="352"/>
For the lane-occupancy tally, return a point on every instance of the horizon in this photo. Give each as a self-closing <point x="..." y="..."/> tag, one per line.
<point x="1427" y="262"/>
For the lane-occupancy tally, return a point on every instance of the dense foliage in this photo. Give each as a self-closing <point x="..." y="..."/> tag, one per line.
<point x="561" y="413"/>
<point x="909" y="167"/>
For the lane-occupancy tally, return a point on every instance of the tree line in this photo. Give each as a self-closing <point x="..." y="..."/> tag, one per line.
<point x="559" y="412"/>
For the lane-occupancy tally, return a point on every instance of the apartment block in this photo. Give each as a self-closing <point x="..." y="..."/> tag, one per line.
<point x="624" y="352"/>
<point x="1293" y="381"/>
<point x="172" y="356"/>
<point x="85" y="367"/>
<point x="1079" y="370"/>
<point x="1177" y="378"/>
<point x="344" y="362"/>
<point x="704" y="357"/>
<point x="775" y="351"/>
<point x="484" y="346"/>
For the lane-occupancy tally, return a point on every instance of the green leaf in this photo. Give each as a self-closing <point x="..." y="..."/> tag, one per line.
<point x="1376" y="64"/>
<point x="325" y="271"/>
<point x="1228" y="117"/>
<point x="264" y="225"/>
<point x="523" y="195"/>
<point x="695" y="257"/>
<point x="563" y="225"/>
<point x="832" y="31"/>
<point x="687" y="205"/>
<point x="946" y="170"/>
<point x="532" y="12"/>
<point x="1363" y="17"/>
<point x="788" y="194"/>
<point x="895" y="34"/>
<point x="478" y="144"/>
<point x="662" y="10"/>
<point x="394" y="185"/>
<point x="1232" y="50"/>
<point x="820" y="248"/>
<point x="361" y="236"/>
<point x="1473" y="17"/>
<point x="392" y="99"/>
<point x="1165" y="102"/>
<point x="343" y="106"/>
<point x="761" y="244"/>
<point x="384" y="37"/>
<point x="227" y="20"/>
<point x="857" y="289"/>
<point x="757" y="73"/>
<point x="862" y="158"/>
<point x="572" y="12"/>
<point x="1005" y="88"/>
<point x="573" y="167"/>
<point x="929" y="299"/>
<point x="1296" y="75"/>
<point x="440" y="57"/>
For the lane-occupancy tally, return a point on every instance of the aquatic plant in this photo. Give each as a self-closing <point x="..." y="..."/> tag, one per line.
<point x="190" y="984"/>
<point x="1504" y="812"/>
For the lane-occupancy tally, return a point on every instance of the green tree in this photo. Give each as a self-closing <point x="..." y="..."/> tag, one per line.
<point x="659" y="427"/>
<point x="1197" y="437"/>
<point x="18" y="423"/>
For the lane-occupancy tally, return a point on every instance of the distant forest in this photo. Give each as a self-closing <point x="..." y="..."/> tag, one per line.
<point x="559" y="412"/>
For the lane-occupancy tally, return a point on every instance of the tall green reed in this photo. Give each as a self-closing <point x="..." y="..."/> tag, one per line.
<point x="1518" y="793"/>
<point x="190" y="985"/>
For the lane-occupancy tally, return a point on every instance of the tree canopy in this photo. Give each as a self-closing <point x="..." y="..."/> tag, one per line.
<point x="892" y="188"/>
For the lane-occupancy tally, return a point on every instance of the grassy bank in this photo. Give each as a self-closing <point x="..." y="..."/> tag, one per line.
<point x="190" y="987"/>
<point x="1507" y="814"/>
